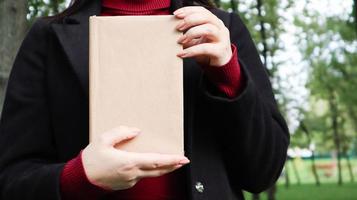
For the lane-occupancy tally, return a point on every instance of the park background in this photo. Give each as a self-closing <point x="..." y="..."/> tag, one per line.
<point x="310" y="50"/>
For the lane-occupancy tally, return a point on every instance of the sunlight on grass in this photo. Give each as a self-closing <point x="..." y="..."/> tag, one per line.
<point x="347" y="191"/>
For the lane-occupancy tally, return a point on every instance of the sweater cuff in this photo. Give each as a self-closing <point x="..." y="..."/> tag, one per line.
<point x="226" y="78"/>
<point x="75" y="184"/>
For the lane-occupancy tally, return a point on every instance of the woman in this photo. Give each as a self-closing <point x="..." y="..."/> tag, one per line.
<point x="235" y="137"/>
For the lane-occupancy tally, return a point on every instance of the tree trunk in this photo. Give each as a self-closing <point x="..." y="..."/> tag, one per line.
<point x="218" y="3"/>
<point x="296" y="172"/>
<point x="13" y="26"/>
<point x="355" y="12"/>
<point x="54" y="4"/>
<point x="256" y="197"/>
<point x="287" y="178"/>
<point x="271" y="192"/>
<point x="353" y="116"/>
<point x="336" y="135"/>
<point x="313" y="163"/>
<point x="262" y="31"/>
<point x="349" y="166"/>
<point x="314" y="170"/>
<point x="234" y="6"/>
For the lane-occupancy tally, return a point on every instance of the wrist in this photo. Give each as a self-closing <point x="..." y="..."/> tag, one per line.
<point x="222" y="60"/>
<point x="227" y="78"/>
<point x="92" y="175"/>
<point x="74" y="182"/>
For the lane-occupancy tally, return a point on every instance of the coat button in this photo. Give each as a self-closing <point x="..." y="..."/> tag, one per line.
<point x="199" y="187"/>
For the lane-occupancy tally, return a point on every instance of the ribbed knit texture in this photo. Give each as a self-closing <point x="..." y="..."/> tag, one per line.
<point x="227" y="78"/>
<point x="135" y="7"/>
<point x="74" y="182"/>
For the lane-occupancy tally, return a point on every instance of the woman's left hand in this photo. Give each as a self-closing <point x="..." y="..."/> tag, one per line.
<point x="205" y="38"/>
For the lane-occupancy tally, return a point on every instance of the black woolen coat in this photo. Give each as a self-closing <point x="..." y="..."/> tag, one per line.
<point x="233" y="144"/>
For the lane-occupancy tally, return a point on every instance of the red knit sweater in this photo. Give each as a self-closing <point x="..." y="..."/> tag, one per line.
<point x="227" y="79"/>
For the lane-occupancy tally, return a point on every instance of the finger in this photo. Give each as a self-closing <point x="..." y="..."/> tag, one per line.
<point x="184" y="11"/>
<point x="119" y="134"/>
<point x="154" y="161"/>
<point x="205" y="49"/>
<point x="196" y="19"/>
<point x="192" y="43"/>
<point x="158" y="172"/>
<point x="208" y="31"/>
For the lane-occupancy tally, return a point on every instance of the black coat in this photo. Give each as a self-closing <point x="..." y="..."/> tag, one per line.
<point x="233" y="144"/>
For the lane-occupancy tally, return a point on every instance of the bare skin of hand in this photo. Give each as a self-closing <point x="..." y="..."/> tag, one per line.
<point x="111" y="168"/>
<point x="205" y="37"/>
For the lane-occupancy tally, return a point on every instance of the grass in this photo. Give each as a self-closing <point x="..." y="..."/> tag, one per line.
<point x="307" y="190"/>
<point x="326" y="176"/>
<point x="329" y="191"/>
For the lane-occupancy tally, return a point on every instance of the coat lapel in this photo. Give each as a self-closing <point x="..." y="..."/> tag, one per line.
<point x="73" y="35"/>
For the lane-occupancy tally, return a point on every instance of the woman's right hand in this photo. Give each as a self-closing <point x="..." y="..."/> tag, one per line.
<point x="111" y="168"/>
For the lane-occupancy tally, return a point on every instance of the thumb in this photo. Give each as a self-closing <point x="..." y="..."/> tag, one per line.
<point x="119" y="134"/>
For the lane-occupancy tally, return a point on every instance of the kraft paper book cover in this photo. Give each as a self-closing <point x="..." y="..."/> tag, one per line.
<point x="136" y="80"/>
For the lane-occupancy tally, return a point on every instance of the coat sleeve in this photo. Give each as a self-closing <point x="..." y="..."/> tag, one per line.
<point x="28" y="168"/>
<point x="253" y="133"/>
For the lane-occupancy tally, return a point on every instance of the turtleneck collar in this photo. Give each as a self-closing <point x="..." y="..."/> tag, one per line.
<point x="136" y="5"/>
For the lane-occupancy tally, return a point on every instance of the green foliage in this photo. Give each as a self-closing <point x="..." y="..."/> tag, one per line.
<point x="38" y="8"/>
<point x="328" y="45"/>
<point x="265" y="23"/>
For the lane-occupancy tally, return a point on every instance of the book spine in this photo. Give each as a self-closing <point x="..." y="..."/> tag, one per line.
<point x="93" y="67"/>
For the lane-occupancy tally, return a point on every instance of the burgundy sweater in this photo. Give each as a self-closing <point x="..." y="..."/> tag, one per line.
<point x="74" y="182"/>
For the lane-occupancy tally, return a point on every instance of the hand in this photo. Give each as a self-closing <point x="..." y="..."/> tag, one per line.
<point x="111" y="168"/>
<point x="206" y="38"/>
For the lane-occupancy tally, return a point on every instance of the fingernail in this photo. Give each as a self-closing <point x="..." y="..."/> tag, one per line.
<point x="182" y="28"/>
<point x="180" y="15"/>
<point x="184" y="161"/>
<point x="185" y="40"/>
<point x="177" y="12"/>
<point x="179" y="26"/>
<point x="182" y="38"/>
<point x="178" y="166"/>
<point x="183" y="54"/>
<point x="134" y="134"/>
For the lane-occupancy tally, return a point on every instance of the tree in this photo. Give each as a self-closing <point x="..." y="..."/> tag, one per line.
<point x="38" y="8"/>
<point x="234" y="6"/>
<point x="218" y="3"/>
<point x="332" y="101"/>
<point x="13" y="25"/>
<point x="305" y="129"/>
<point x="355" y="12"/>
<point x="328" y="44"/>
<point x="262" y="32"/>
<point x="15" y="18"/>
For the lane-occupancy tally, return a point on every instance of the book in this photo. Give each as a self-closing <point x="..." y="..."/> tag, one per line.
<point x="136" y="80"/>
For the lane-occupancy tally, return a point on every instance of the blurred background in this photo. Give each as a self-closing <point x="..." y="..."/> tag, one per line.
<point x="310" y="50"/>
